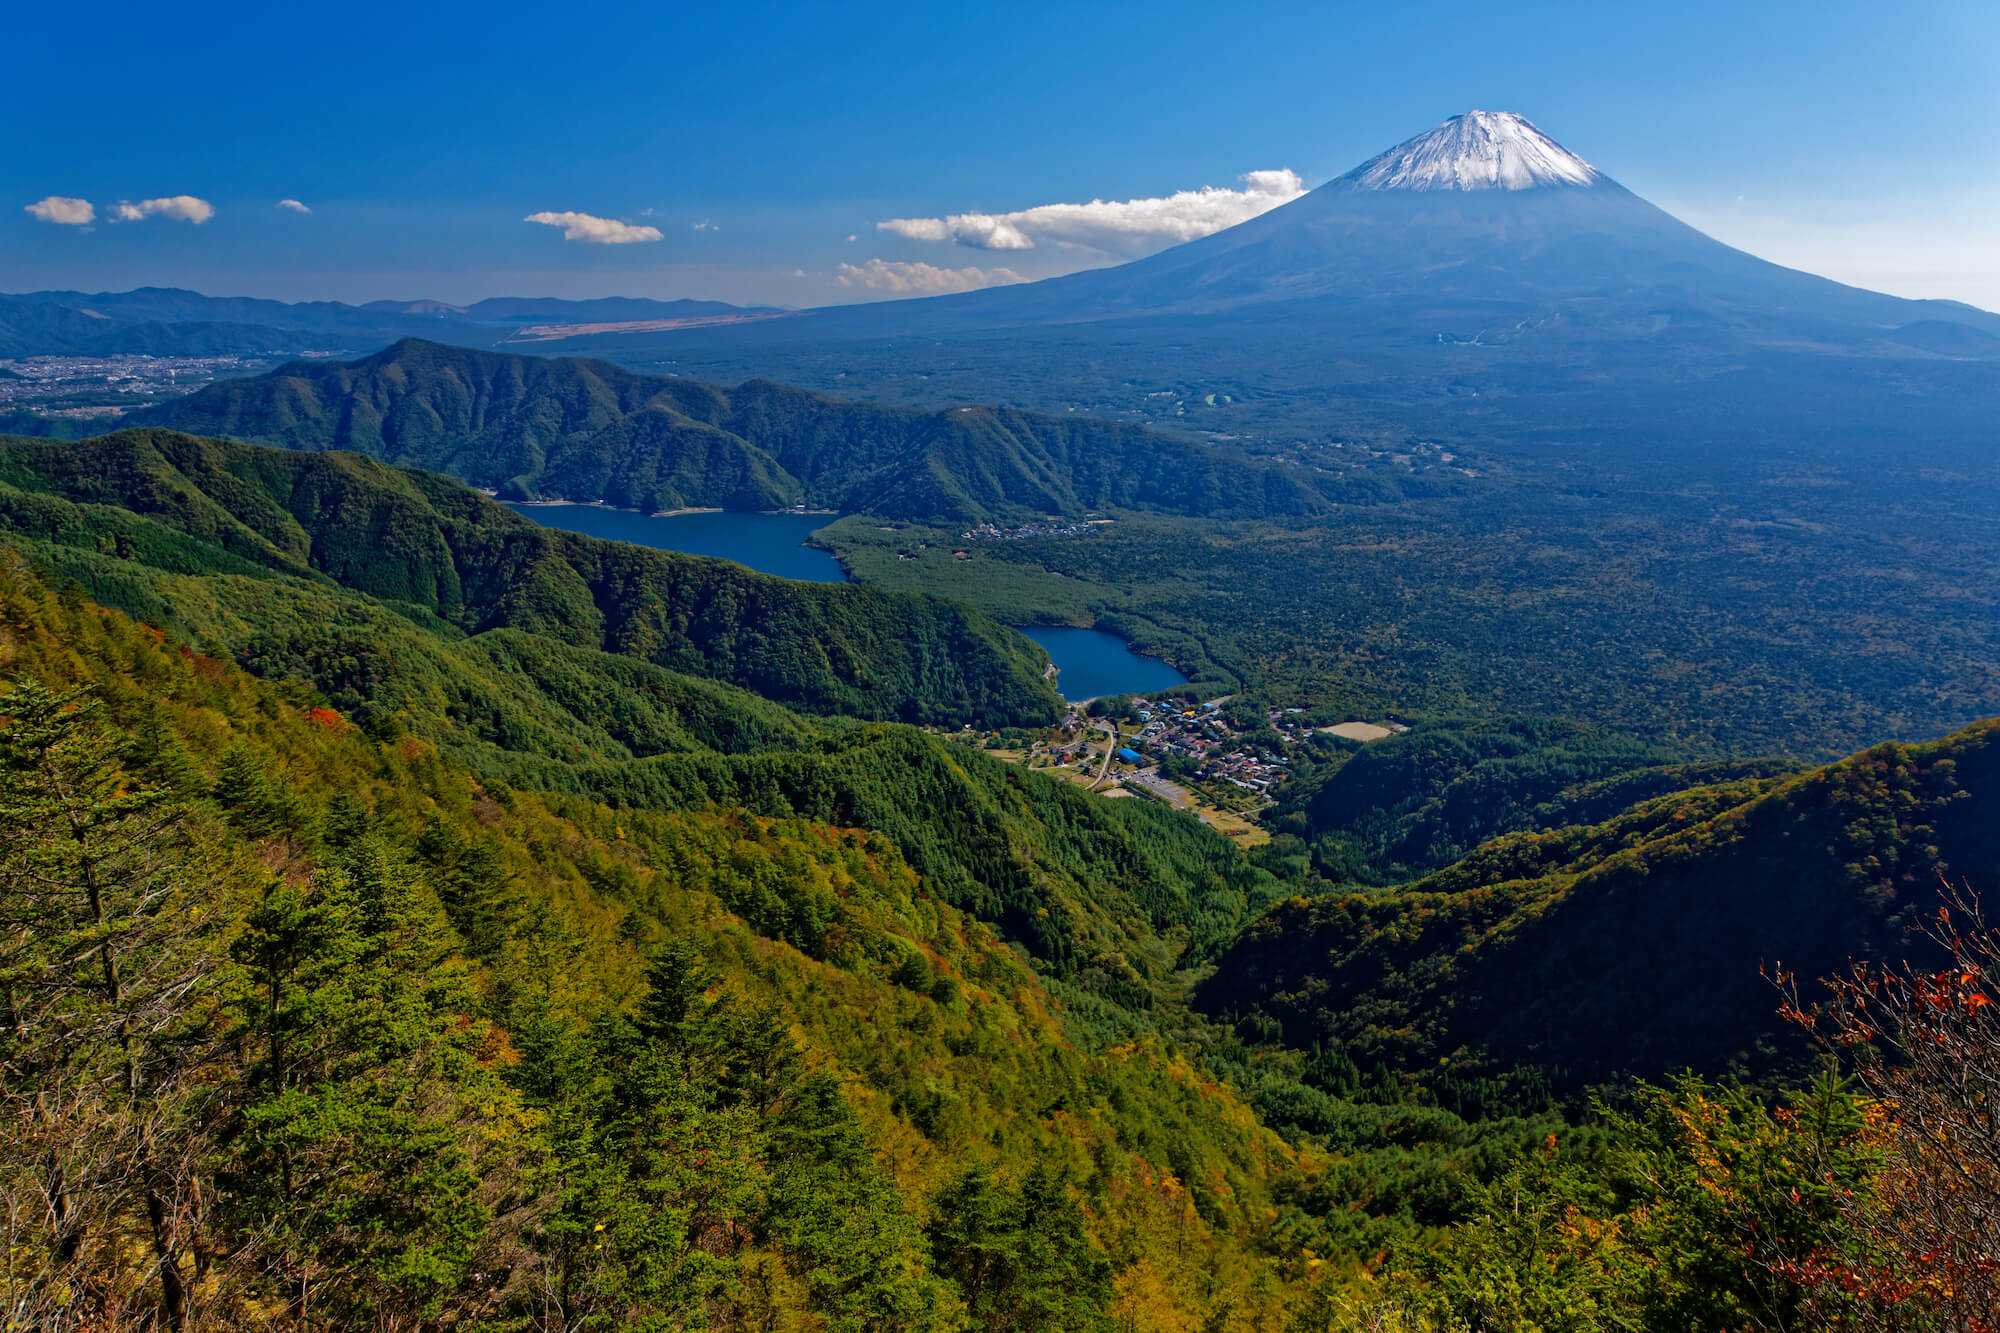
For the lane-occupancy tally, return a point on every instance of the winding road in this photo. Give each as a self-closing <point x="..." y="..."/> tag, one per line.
<point x="1110" y="745"/>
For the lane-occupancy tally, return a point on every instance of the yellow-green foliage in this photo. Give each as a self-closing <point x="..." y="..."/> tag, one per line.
<point x="949" y="1055"/>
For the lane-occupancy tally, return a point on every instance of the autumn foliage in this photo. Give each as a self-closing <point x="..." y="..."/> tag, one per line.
<point x="1922" y="1247"/>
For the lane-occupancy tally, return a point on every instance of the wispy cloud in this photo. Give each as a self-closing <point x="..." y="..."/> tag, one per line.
<point x="292" y="206"/>
<point x="706" y="225"/>
<point x="593" y="230"/>
<point x="179" y="207"/>
<point x="884" y="275"/>
<point x="63" y="210"/>
<point x="1128" y="227"/>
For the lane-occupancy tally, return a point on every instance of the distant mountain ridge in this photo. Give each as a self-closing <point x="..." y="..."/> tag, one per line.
<point x="169" y="321"/>
<point x="538" y="427"/>
<point x="523" y="309"/>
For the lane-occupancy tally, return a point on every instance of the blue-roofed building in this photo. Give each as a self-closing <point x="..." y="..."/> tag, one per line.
<point x="1129" y="756"/>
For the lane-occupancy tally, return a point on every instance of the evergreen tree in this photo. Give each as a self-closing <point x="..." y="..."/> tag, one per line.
<point x="845" y="1234"/>
<point x="109" y="917"/>
<point x="473" y="885"/>
<point x="1021" y="1256"/>
<point x="370" y="1119"/>
<point x="661" y="1183"/>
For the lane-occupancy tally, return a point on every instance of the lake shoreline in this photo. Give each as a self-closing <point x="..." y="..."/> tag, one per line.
<point x="1101" y="663"/>
<point x="663" y="513"/>
<point x="777" y="544"/>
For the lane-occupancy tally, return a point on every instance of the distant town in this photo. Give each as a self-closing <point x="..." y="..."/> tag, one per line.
<point x="1048" y="527"/>
<point x="1207" y="758"/>
<point x="90" y="387"/>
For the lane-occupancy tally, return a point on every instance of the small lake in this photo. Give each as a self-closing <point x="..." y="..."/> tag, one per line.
<point x="1091" y="662"/>
<point x="1095" y="663"/>
<point x="767" y="542"/>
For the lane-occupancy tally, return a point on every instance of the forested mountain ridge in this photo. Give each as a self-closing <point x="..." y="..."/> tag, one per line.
<point x="184" y="506"/>
<point x="1410" y="804"/>
<point x="167" y="321"/>
<point x="586" y="430"/>
<point x="394" y="1043"/>
<point x="1633" y="946"/>
<point x="540" y="659"/>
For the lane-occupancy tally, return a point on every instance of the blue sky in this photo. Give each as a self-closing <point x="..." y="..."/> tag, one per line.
<point x="1854" y="139"/>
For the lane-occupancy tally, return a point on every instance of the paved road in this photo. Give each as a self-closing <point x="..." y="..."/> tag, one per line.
<point x="1110" y="730"/>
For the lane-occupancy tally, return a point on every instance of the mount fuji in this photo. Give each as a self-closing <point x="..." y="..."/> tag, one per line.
<point x="1479" y="277"/>
<point x="1482" y="215"/>
<point x="1481" y="150"/>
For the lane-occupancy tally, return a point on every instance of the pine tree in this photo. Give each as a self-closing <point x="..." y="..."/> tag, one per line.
<point x="665" y="1225"/>
<point x="1022" y="1257"/>
<point x="845" y="1233"/>
<point x="247" y="796"/>
<point x="369" y="1127"/>
<point x="472" y="883"/>
<point x="109" y="917"/>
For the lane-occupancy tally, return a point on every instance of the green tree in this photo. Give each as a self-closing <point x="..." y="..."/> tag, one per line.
<point x="109" y="925"/>
<point x="1021" y="1256"/>
<point x="370" y="1119"/>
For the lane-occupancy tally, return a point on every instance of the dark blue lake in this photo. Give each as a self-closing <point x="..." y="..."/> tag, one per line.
<point x="1091" y="662"/>
<point x="768" y="542"/>
<point x="1094" y="663"/>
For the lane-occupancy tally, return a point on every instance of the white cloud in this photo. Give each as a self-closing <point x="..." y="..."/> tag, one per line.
<point x="706" y="225"/>
<point x="180" y="207"/>
<point x="293" y="206"/>
<point x="883" y="275"/>
<point x="63" y="210"/>
<point x="595" y="230"/>
<point x="1129" y="227"/>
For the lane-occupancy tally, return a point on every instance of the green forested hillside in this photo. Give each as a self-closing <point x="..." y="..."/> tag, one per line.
<point x="586" y="430"/>
<point x="438" y="876"/>
<point x="1761" y="613"/>
<point x="416" y="607"/>
<point x="1633" y="946"/>
<point x="377" y="1040"/>
<point x="270" y="535"/>
<point x="1409" y="804"/>
<point x="408" y="916"/>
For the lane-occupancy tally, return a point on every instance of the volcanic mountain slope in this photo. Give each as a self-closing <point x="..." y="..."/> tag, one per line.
<point x="1482" y="215"/>
<point x="1479" y="278"/>
<point x="588" y="431"/>
<point x="1634" y="945"/>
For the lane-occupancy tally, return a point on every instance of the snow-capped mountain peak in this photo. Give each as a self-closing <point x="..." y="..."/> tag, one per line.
<point x="1480" y="150"/>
